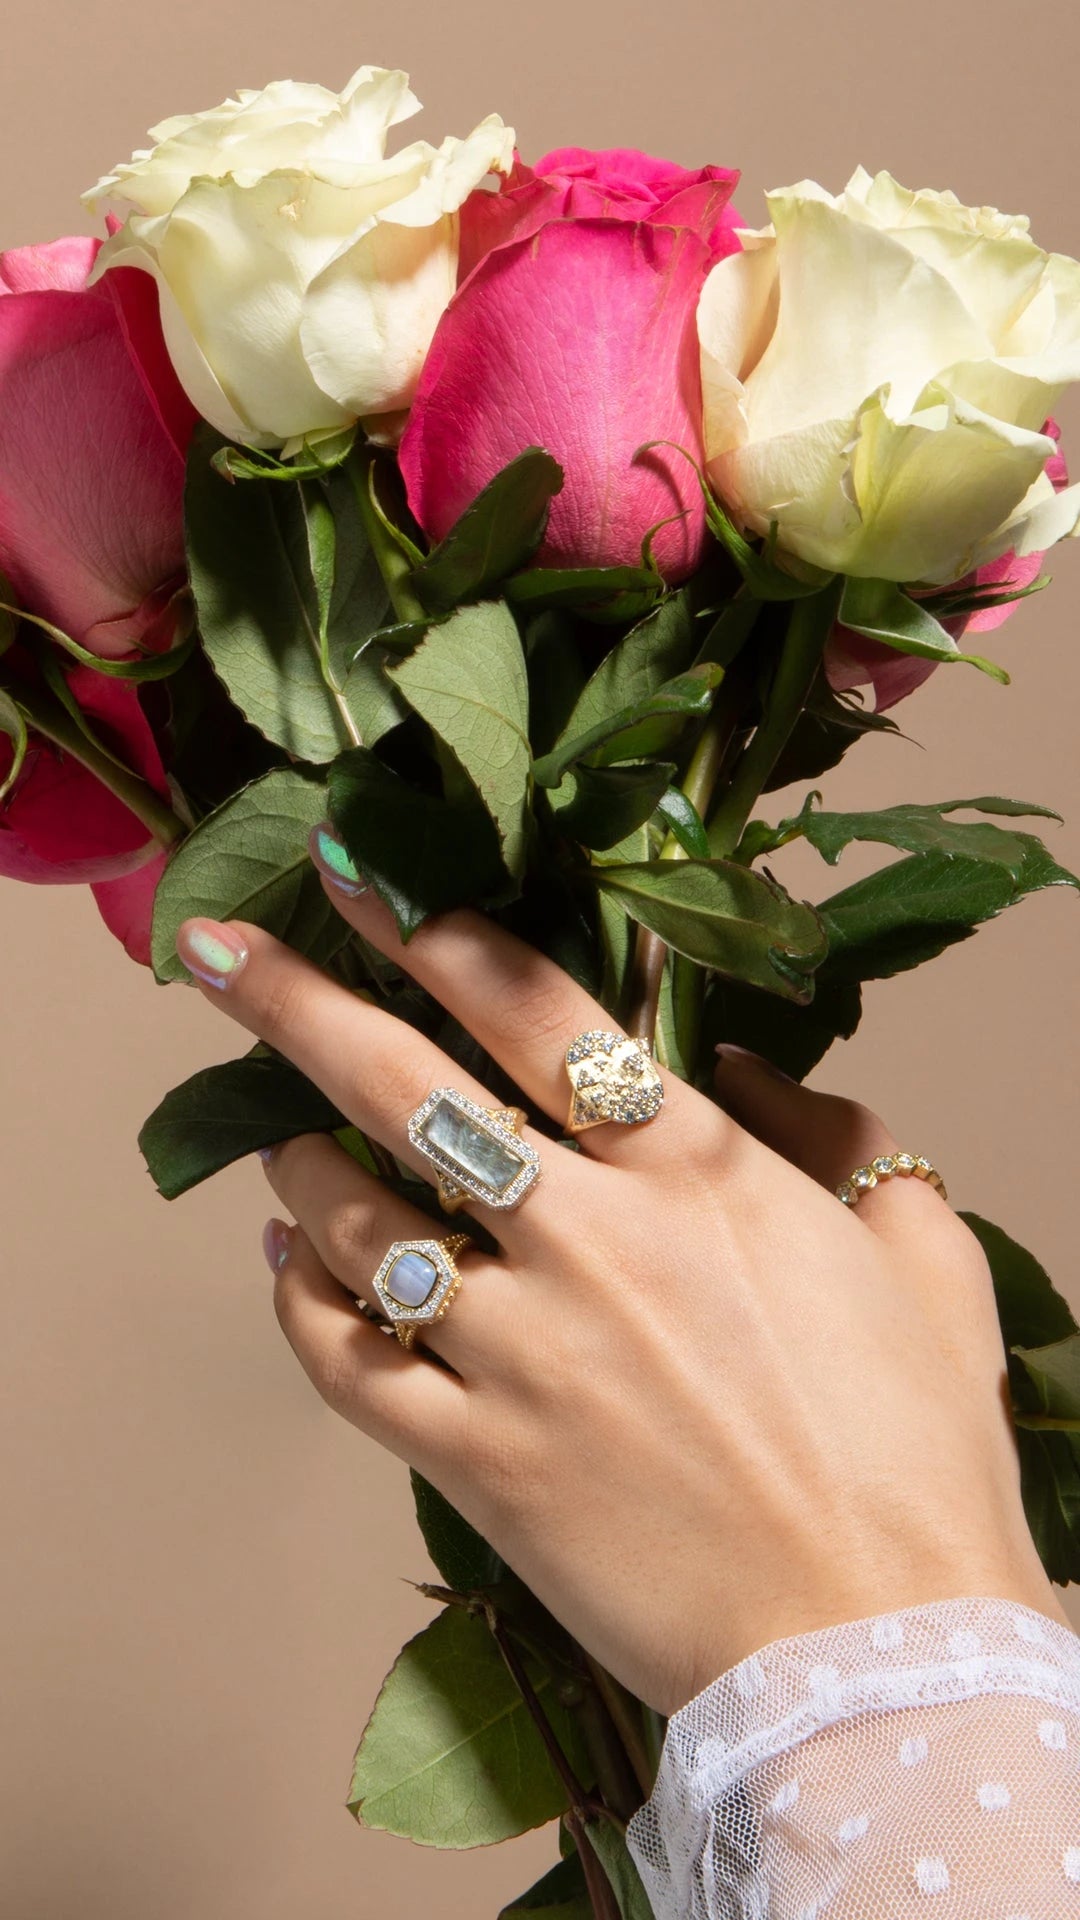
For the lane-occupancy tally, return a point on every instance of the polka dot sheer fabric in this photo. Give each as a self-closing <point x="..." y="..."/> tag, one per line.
<point x="923" y="1765"/>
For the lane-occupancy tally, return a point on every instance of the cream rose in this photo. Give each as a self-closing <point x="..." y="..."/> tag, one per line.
<point x="877" y="371"/>
<point x="301" y="270"/>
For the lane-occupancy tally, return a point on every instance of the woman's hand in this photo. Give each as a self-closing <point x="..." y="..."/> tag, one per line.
<point x="695" y="1402"/>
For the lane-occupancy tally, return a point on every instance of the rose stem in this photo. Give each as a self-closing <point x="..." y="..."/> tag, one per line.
<point x="50" y="719"/>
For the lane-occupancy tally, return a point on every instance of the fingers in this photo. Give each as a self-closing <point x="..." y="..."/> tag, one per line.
<point x="827" y="1137"/>
<point x="407" y="1404"/>
<point x="374" y="1068"/>
<point x="521" y="1007"/>
<point x="352" y="1220"/>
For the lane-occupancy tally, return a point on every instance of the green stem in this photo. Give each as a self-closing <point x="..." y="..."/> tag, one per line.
<point x="810" y="623"/>
<point x="626" y="1716"/>
<point x="394" y="563"/>
<point x="48" y="717"/>
<point x="650" y="953"/>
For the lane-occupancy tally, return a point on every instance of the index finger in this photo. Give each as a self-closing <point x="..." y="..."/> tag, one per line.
<point x="522" y="1008"/>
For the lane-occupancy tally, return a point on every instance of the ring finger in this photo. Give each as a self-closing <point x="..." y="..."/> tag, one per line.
<point x="353" y="1220"/>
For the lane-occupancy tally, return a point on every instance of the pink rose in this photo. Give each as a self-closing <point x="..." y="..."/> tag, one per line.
<point x="851" y="660"/>
<point x="574" y="329"/>
<point x="93" y="434"/>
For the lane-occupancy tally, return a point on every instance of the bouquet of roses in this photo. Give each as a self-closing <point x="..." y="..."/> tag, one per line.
<point x="530" y="524"/>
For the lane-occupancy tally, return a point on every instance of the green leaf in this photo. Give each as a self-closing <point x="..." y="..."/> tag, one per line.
<point x="554" y="657"/>
<point x="636" y="731"/>
<point x="249" y="861"/>
<point x="685" y="823"/>
<point x="600" y="806"/>
<point x="370" y="695"/>
<point x="656" y="650"/>
<point x="909" y="912"/>
<point x="450" y="1757"/>
<point x="225" y="1112"/>
<point x="882" y="611"/>
<point x="495" y="536"/>
<point x="560" y="1895"/>
<point x="13" y="724"/>
<point x="599" y="593"/>
<point x="1031" y="1311"/>
<point x="917" y="829"/>
<point x="1034" y="1316"/>
<point x="316" y="457"/>
<point x="795" y="1038"/>
<point x="463" y="1558"/>
<point x="614" y="1856"/>
<point x="723" y="916"/>
<point x="467" y="679"/>
<point x="421" y="853"/>
<point x="258" y="606"/>
<point x="827" y="727"/>
<point x="1055" y="1370"/>
<point x="322" y="562"/>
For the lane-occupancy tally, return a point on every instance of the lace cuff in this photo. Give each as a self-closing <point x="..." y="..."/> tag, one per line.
<point x="858" y="1770"/>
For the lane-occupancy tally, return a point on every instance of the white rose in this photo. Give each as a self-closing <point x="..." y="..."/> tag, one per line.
<point x="877" y="371"/>
<point x="301" y="271"/>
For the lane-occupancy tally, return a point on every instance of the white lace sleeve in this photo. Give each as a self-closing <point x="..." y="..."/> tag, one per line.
<point x="923" y="1765"/>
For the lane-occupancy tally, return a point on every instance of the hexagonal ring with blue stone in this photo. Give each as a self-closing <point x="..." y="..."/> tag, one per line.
<point x="417" y="1282"/>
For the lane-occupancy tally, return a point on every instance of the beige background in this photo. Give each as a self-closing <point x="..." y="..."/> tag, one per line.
<point x="201" y="1583"/>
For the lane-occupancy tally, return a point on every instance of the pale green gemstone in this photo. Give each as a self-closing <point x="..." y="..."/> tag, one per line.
<point x="905" y="1162"/>
<point x="472" y="1147"/>
<point x="864" y="1177"/>
<point x="884" y="1166"/>
<point x="847" y="1193"/>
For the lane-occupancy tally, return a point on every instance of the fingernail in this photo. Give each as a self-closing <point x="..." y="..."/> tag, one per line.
<point x="266" y="1154"/>
<point x="333" y="859"/>
<point x="728" y="1051"/>
<point x="276" y="1240"/>
<point x="211" y="951"/>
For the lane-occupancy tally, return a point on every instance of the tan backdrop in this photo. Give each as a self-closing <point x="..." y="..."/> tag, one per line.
<point x="202" y="1569"/>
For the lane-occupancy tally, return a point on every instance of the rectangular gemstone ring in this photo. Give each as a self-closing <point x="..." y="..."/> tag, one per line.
<point x="476" y="1151"/>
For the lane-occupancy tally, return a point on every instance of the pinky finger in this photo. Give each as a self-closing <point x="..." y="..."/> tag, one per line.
<point x="409" y="1404"/>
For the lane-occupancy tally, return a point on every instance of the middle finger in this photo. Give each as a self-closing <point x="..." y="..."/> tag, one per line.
<point x="375" y="1068"/>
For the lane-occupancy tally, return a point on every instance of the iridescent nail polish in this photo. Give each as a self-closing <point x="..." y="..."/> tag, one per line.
<point x="276" y="1240"/>
<point x="214" y="953"/>
<point x="332" y="858"/>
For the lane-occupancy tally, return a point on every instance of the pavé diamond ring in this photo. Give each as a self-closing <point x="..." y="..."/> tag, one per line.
<point x="888" y="1166"/>
<point x="477" y="1152"/>
<point x="417" y="1282"/>
<point x="612" y="1078"/>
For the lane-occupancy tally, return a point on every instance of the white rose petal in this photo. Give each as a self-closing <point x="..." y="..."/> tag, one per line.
<point x="877" y="371"/>
<point x="301" y="270"/>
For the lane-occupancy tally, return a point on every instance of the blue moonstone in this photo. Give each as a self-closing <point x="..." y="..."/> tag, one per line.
<point x="411" y="1279"/>
<point x="472" y="1147"/>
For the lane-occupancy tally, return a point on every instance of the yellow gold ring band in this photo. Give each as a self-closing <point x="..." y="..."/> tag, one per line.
<point x="889" y="1166"/>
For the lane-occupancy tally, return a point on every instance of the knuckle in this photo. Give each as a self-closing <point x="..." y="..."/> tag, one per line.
<point x="534" y="1003"/>
<point x="391" y="1086"/>
<point x="349" y="1232"/>
<point x="283" y="1001"/>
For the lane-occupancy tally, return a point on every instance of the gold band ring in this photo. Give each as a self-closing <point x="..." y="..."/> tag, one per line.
<point x="888" y="1166"/>
<point x="611" y="1078"/>
<point x="418" y="1281"/>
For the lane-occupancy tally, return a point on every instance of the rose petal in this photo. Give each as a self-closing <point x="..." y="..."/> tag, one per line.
<point x="612" y="363"/>
<point x="127" y="907"/>
<point x="91" y="491"/>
